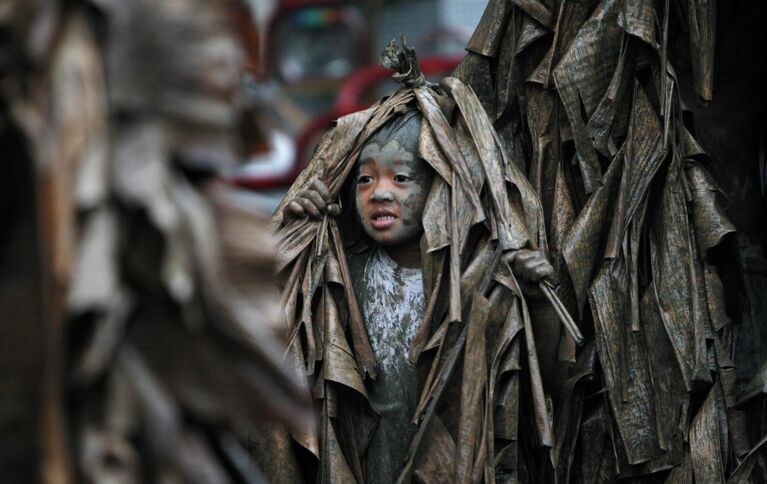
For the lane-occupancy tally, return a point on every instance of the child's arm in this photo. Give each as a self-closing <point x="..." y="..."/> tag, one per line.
<point x="314" y="203"/>
<point x="530" y="267"/>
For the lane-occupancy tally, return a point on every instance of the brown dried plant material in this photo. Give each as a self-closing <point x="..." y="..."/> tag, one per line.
<point x="757" y="386"/>
<point x="158" y="345"/>
<point x="702" y="24"/>
<point x="742" y="473"/>
<point x="476" y="322"/>
<point x="626" y="372"/>
<point x="705" y="445"/>
<point x="580" y="87"/>
<point x="637" y="220"/>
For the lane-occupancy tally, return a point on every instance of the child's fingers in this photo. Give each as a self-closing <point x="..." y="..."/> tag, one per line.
<point x="316" y="199"/>
<point x="334" y="210"/>
<point x="510" y="257"/>
<point x="528" y="271"/>
<point x="322" y="190"/>
<point x="530" y="265"/>
<point x="295" y="209"/>
<point x="538" y="270"/>
<point x="523" y="260"/>
<point x="547" y="270"/>
<point x="310" y="209"/>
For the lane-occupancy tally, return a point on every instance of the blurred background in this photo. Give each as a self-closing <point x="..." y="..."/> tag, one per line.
<point x="318" y="60"/>
<point x="141" y="333"/>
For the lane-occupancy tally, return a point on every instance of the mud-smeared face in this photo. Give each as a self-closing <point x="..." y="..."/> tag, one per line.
<point x="391" y="190"/>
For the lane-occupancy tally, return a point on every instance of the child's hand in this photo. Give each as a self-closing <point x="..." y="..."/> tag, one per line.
<point x="314" y="203"/>
<point x="530" y="267"/>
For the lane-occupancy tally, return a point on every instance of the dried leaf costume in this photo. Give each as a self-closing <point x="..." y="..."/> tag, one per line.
<point x="586" y="96"/>
<point x="476" y="335"/>
<point x="137" y="297"/>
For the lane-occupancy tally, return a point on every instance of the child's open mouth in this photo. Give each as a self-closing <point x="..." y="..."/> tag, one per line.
<point x="382" y="219"/>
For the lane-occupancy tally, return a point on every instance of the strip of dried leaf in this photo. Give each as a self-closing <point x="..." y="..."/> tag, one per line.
<point x="642" y="157"/>
<point x="672" y="264"/>
<point x="705" y="444"/>
<point x="583" y="74"/>
<point x="487" y="35"/>
<point x="474" y="378"/>
<point x="702" y="23"/>
<point x="589" y="231"/>
<point x="626" y="373"/>
<point x="512" y="228"/>
<point x="711" y="223"/>
<point x="536" y="10"/>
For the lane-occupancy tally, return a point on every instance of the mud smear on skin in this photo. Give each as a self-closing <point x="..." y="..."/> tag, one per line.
<point x="408" y="162"/>
<point x="422" y="177"/>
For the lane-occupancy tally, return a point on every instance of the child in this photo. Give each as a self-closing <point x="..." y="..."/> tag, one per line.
<point x="390" y="190"/>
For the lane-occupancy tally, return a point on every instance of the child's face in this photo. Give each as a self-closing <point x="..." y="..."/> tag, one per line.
<point x="391" y="190"/>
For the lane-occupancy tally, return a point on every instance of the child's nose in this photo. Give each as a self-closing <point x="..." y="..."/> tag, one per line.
<point x="383" y="196"/>
<point x="383" y="193"/>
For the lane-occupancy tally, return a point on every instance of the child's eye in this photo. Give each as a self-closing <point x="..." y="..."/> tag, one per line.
<point x="363" y="179"/>
<point x="402" y="178"/>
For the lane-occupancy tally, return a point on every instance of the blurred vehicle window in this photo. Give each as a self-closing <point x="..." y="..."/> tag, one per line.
<point x="321" y="62"/>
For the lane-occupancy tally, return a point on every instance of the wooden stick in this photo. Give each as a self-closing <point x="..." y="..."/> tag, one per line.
<point x="562" y="314"/>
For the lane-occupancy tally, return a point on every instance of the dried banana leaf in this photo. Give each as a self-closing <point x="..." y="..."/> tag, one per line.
<point x="635" y="217"/>
<point x="475" y="322"/>
<point x="159" y="355"/>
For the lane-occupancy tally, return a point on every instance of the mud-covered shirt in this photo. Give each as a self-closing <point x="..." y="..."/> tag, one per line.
<point x="392" y="302"/>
